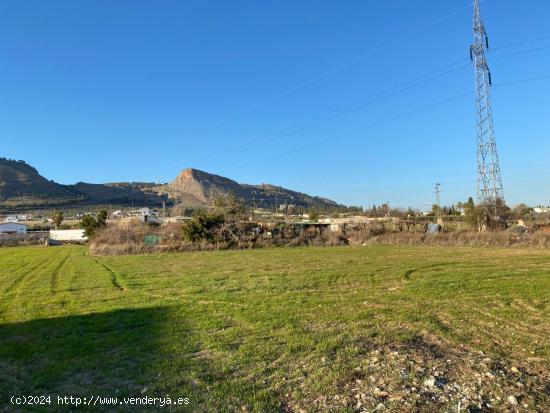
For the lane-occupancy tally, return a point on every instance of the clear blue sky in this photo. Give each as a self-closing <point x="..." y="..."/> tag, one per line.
<point x="105" y="90"/>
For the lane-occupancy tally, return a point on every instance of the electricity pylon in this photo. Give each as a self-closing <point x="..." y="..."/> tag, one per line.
<point x="489" y="182"/>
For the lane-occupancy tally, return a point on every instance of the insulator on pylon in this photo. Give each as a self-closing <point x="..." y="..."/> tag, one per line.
<point x="471" y="55"/>
<point x="487" y="41"/>
<point x="490" y="80"/>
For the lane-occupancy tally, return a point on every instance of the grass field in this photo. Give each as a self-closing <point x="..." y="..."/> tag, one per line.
<point x="285" y="329"/>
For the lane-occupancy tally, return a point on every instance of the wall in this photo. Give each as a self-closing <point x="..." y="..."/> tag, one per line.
<point x="68" y="235"/>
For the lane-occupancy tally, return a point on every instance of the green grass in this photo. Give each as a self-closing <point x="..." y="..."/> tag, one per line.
<point x="258" y="330"/>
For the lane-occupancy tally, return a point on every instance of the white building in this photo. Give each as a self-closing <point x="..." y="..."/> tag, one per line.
<point x="12" y="228"/>
<point x="144" y="211"/>
<point x="117" y="214"/>
<point x="357" y="219"/>
<point x="149" y="219"/>
<point x="541" y="210"/>
<point x="68" y="235"/>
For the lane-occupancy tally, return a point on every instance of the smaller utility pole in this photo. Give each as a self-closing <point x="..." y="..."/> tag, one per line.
<point x="437" y="202"/>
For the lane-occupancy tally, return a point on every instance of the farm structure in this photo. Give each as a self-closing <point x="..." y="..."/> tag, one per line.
<point x="68" y="235"/>
<point x="12" y="228"/>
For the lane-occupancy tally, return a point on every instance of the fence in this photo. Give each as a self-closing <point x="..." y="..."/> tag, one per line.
<point x="33" y="238"/>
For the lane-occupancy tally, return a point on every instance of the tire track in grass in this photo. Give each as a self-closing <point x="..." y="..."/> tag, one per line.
<point x="23" y="271"/>
<point x="429" y="268"/>
<point x="506" y="333"/>
<point x="15" y="258"/>
<point x="115" y="279"/>
<point x="55" y="274"/>
<point x="11" y="294"/>
<point x="26" y="272"/>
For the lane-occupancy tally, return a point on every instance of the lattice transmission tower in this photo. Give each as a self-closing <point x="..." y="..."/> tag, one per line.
<point x="489" y="181"/>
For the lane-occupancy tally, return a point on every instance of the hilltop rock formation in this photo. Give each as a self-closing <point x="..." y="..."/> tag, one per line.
<point x="202" y="187"/>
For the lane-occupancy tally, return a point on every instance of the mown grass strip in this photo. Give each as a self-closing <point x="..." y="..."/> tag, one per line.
<point x="116" y="280"/>
<point x="55" y="274"/>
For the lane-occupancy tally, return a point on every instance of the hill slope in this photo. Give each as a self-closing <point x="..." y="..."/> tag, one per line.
<point x="122" y="193"/>
<point x="20" y="181"/>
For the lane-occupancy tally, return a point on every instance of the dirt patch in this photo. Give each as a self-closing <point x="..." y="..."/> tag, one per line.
<point x="423" y="375"/>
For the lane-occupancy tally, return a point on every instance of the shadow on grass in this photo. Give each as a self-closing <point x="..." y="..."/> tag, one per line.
<point x="126" y="353"/>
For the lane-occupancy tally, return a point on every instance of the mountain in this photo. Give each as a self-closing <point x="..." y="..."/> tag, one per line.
<point x="21" y="182"/>
<point x="22" y="185"/>
<point x="201" y="187"/>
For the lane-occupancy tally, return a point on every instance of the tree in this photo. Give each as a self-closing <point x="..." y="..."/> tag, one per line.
<point x="472" y="215"/>
<point x="101" y="218"/>
<point x="313" y="215"/>
<point x="224" y="222"/>
<point x="202" y="226"/>
<point x="57" y="218"/>
<point x="89" y="224"/>
<point x="503" y="210"/>
<point x="519" y="211"/>
<point x="228" y="204"/>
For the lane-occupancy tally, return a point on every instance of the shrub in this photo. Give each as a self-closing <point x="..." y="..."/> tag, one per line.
<point x="203" y="227"/>
<point x="89" y="224"/>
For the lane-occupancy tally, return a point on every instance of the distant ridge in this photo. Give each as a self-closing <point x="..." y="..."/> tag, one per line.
<point x="21" y="184"/>
<point x="203" y="187"/>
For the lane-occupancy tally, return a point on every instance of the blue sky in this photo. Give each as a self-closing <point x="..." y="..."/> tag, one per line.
<point x="103" y="91"/>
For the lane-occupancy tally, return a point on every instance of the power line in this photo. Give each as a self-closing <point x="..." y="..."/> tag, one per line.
<point x="373" y="98"/>
<point x="387" y="121"/>
<point x="333" y="114"/>
<point x="520" y="43"/>
<point x="359" y="104"/>
<point x="359" y="58"/>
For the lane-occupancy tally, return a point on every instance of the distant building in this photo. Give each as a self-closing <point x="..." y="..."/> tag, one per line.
<point x="287" y="208"/>
<point x="541" y="210"/>
<point x="358" y="219"/>
<point x="144" y="211"/>
<point x="149" y="219"/>
<point x="117" y="214"/>
<point x="17" y="218"/>
<point x="68" y="235"/>
<point x="178" y="218"/>
<point x="12" y="228"/>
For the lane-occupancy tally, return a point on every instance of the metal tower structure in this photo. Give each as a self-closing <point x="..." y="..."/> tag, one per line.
<point x="489" y="181"/>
